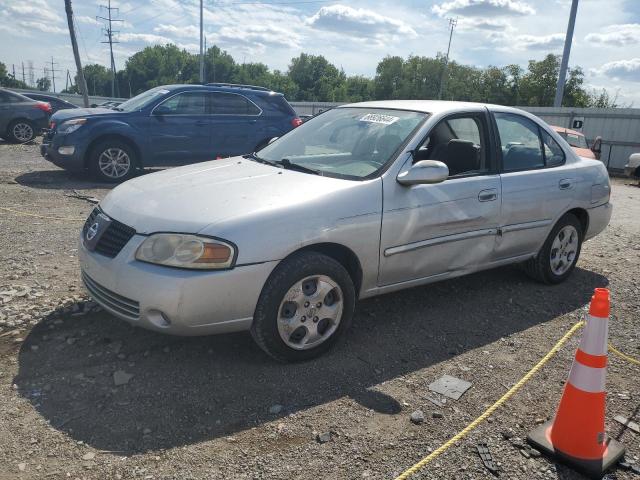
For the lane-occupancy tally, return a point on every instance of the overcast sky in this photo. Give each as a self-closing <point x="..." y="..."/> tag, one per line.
<point x="353" y="34"/>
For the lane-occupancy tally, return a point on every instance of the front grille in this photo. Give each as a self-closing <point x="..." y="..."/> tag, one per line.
<point x="123" y="306"/>
<point x="113" y="239"/>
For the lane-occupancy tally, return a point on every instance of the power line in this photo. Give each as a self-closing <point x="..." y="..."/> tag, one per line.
<point x="109" y="32"/>
<point x="53" y="74"/>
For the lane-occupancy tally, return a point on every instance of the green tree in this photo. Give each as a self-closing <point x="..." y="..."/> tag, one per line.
<point x="43" y="84"/>
<point x="219" y="65"/>
<point x="316" y="78"/>
<point x="8" y="80"/>
<point x="388" y="79"/>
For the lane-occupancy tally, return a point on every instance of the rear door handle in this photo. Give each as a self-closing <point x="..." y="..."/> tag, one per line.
<point x="488" y="195"/>
<point x="565" y="184"/>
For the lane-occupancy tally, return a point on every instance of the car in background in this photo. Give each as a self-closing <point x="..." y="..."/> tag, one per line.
<point x="363" y="200"/>
<point x="55" y="102"/>
<point x="21" y="118"/>
<point x="167" y="126"/>
<point x="632" y="168"/>
<point x="579" y="142"/>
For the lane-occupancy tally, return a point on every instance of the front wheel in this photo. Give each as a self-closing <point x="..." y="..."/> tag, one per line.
<point x="21" y="131"/>
<point x="112" y="161"/>
<point x="305" y="306"/>
<point x="559" y="254"/>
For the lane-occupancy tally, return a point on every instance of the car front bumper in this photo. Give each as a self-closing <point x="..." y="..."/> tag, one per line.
<point x="50" y="151"/>
<point x="598" y="219"/>
<point x="171" y="300"/>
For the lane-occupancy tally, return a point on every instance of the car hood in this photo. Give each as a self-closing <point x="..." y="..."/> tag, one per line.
<point x="66" y="114"/>
<point x="189" y="199"/>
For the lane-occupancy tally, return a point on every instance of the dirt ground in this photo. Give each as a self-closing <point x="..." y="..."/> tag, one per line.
<point x="218" y="408"/>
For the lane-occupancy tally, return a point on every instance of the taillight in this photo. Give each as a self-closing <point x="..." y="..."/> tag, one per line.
<point x="52" y="125"/>
<point x="44" y="106"/>
<point x="296" y="122"/>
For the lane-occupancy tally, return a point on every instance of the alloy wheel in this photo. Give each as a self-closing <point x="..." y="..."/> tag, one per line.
<point x="114" y="163"/>
<point x="310" y="312"/>
<point x="564" y="250"/>
<point x="23" y="132"/>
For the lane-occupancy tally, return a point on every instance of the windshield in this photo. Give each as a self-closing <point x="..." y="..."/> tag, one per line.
<point x="574" y="140"/>
<point x="142" y="100"/>
<point x="350" y="142"/>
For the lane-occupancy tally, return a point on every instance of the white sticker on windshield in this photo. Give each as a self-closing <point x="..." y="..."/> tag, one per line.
<point x="379" y="118"/>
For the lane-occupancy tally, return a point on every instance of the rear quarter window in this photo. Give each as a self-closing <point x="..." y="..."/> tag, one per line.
<point x="277" y="104"/>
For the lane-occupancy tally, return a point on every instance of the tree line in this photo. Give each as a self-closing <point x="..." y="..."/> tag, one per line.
<point x="314" y="78"/>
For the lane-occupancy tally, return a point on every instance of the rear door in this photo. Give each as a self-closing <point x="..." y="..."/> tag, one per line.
<point x="237" y="124"/>
<point x="537" y="185"/>
<point x="180" y="129"/>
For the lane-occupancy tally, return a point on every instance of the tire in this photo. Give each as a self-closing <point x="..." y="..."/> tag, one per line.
<point x="547" y="267"/>
<point x="112" y="161"/>
<point x="281" y="327"/>
<point x="21" y="131"/>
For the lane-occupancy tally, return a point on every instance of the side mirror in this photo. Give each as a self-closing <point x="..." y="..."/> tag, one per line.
<point x="596" y="148"/>
<point x="424" y="172"/>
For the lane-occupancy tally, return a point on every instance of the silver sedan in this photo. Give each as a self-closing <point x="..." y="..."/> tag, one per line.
<point x="361" y="200"/>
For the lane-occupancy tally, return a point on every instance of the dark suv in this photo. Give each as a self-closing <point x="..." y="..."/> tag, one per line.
<point x="21" y="118"/>
<point x="168" y="125"/>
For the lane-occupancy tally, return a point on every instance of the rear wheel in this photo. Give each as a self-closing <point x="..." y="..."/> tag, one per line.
<point x="305" y="306"/>
<point x="112" y="161"/>
<point x="21" y="131"/>
<point x="558" y="256"/>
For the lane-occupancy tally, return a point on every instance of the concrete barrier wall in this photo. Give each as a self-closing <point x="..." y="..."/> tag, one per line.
<point x="73" y="98"/>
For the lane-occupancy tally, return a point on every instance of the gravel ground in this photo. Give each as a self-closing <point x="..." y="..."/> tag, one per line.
<point x="84" y="395"/>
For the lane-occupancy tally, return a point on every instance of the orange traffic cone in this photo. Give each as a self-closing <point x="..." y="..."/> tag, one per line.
<point x="576" y="435"/>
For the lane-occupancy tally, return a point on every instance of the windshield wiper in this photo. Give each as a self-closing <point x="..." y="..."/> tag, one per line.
<point x="255" y="157"/>
<point x="286" y="163"/>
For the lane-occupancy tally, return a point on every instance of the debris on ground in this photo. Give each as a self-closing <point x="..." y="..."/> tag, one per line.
<point x="487" y="458"/>
<point x="417" y="417"/>
<point x="631" y="425"/>
<point x="450" y="387"/>
<point x="120" y="377"/>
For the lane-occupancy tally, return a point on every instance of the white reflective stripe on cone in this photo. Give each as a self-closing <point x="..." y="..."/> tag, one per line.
<point x="588" y="379"/>
<point x="594" y="338"/>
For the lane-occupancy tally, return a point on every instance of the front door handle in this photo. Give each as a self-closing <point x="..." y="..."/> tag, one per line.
<point x="565" y="184"/>
<point x="202" y="123"/>
<point x="488" y="195"/>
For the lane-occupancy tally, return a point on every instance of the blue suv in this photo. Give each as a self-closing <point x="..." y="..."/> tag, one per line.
<point x="168" y="125"/>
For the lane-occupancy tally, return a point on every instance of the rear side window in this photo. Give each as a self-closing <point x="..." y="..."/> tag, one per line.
<point x="232" y="104"/>
<point x="8" y="97"/>
<point x="187" y="103"/>
<point x="520" y="143"/>
<point x="279" y="104"/>
<point x="553" y="154"/>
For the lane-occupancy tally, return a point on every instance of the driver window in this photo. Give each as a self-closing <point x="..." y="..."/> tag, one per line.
<point x="459" y="142"/>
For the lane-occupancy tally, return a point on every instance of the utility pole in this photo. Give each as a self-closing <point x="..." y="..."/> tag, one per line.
<point x="109" y="32"/>
<point x="82" y="84"/>
<point x="201" y="52"/>
<point x="32" y="77"/>
<point x="24" y="80"/>
<point x="565" y="55"/>
<point x="66" y="85"/>
<point x="13" y="67"/>
<point x="53" y="75"/>
<point x="452" y="25"/>
<point x="45" y="72"/>
<point x="204" y="64"/>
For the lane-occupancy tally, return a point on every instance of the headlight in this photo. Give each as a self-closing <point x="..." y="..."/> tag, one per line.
<point x="71" y="125"/>
<point x="186" y="251"/>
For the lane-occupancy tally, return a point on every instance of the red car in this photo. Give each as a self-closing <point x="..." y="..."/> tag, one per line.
<point x="579" y="142"/>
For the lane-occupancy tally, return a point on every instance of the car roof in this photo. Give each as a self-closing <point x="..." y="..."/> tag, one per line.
<point x="567" y="130"/>
<point x="225" y="87"/>
<point x="432" y="106"/>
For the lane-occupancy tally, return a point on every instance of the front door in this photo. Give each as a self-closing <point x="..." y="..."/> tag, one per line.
<point x="537" y="186"/>
<point x="447" y="228"/>
<point x="181" y="130"/>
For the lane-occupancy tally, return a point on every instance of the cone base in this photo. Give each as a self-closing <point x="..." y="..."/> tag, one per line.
<point x="592" y="468"/>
